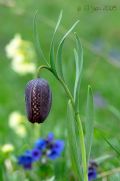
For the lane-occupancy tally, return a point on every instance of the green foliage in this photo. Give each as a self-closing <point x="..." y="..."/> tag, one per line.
<point x="59" y="50"/>
<point x="37" y="39"/>
<point x="89" y="123"/>
<point x="73" y="142"/>
<point x="99" y="71"/>
<point x="52" y="61"/>
<point x="79" y="66"/>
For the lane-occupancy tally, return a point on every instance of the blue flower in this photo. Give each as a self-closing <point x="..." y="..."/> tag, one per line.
<point x="25" y="161"/>
<point x="56" y="149"/>
<point x="40" y="144"/>
<point x="43" y="148"/>
<point x="50" y="147"/>
<point x="36" y="154"/>
<point x="50" y="137"/>
<point x="92" y="170"/>
<point x="92" y="174"/>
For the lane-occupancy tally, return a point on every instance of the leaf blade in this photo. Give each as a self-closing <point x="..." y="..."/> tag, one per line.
<point x="60" y="47"/>
<point x="36" y="39"/>
<point x="52" y="62"/>
<point x="79" y="66"/>
<point x="89" y="123"/>
<point x="73" y="144"/>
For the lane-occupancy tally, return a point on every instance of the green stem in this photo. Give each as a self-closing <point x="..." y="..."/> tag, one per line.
<point x="77" y="117"/>
<point x="59" y="79"/>
<point x="69" y="95"/>
<point x="82" y="144"/>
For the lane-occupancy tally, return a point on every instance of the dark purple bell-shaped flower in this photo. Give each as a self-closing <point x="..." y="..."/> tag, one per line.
<point x="38" y="99"/>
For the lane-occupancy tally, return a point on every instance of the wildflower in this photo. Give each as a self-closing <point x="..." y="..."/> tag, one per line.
<point x="36" y="154"/>
<point x="23" y="67"/>
<point x="55" y="149"/>
<point x="21" y="131"/>
<point x="16" y="121"/>
<point x="92" y="172"/>
<point x="50" y="147"/>
<point x="29" y="157"/>
<point x="22" y="54"/>
<point x="38" y="100"/>
<point x="40" y="144"/>
<point x="7" y="148"/>
<point x="25" y="161"/>
<point x="43" y="149"/>
<point x="12" y="49"/>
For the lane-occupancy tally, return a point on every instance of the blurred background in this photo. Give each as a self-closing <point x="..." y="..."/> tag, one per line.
<point x="99" y="31"/>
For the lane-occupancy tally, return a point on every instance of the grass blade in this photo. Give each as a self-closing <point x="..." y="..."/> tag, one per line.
<point x="89" y="124"/>
<point x="73" y="146"/>
<point x="36" y="39"/>
<point x="79" y="66"/>
<point x="113" y="147"/>
<point x="114" y="111"/>
<point x="60" y="47"/>
<point x="52" y="62"/>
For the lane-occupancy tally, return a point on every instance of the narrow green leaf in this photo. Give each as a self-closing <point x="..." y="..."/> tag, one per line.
<point x="89" y="123"/>
<point x="112" y="146"/>
<point x="73" y="146"/>
<point x="116" y="149"/>
<point x="60" y="47"/>
<point x="79" y="66"/>
<point x="114" y="111"/>
<point x="52" y="61"/>
<point x="103" y="158"/>
<point x="36" y="39"/>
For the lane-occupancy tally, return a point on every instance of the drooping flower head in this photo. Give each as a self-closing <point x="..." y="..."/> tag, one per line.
<point x="38" y="99"/>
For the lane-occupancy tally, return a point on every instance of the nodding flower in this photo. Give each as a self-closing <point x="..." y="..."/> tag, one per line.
<point x="38" y="99"/>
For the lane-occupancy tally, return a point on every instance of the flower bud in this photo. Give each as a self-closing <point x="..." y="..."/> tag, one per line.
<point x="38" y="99"/>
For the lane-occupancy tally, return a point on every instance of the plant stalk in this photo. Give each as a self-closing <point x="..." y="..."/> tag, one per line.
<point x="82" y="144"/>
<point x="77" y="118"/>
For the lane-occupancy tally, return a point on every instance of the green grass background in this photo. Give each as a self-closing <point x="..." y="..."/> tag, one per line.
<point x="99" y="72"/>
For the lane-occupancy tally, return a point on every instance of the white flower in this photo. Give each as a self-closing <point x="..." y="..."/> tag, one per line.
<point x="22" y="67"/>
<point x="15" y="119"/>
<point x="22" y="55"/>
<point x="12" y="48"/>
<point x="16" y="122"/>
<point x="21" y="131"/>
<point x="7" y="148"/>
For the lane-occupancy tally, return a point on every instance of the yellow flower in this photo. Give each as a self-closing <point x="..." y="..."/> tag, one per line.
<point x="21" y="131"/>
<point x="15" y="119"/>
<point x="7" y="148"/>
<point x="22" y="54"/>
<point x="12" y="48"/>
<point x="16" y="122"/>
<point x="23" y="67"/>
